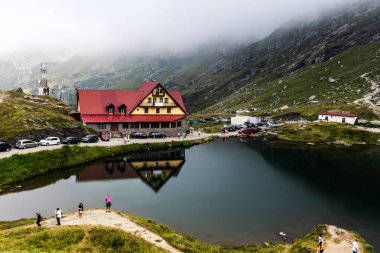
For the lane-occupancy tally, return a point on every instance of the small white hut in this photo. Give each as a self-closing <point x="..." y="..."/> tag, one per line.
<point x="240" y="120"/>
<point x="338" y="117"/>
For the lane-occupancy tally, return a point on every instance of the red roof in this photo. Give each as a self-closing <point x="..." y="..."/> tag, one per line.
<point x="95" y="101"/>
<point x="339" y="114"/>
<point x="130" y="118"/>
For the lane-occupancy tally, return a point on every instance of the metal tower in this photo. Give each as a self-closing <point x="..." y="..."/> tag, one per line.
<point x="43" y="82"/>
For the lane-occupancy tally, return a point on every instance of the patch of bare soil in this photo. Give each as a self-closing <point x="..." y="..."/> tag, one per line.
<point x="114" y="220"/>
<point x="340" y="240"/>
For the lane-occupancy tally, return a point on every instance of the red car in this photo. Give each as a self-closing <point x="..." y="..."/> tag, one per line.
<point x="248" y="131"/>
<point x="105" y="135"/>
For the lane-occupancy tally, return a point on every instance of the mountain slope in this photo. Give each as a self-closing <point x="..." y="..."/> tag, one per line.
<point x="335" y="83"/>
<point x="35" y="117"/>
<point x="216" y="73"/>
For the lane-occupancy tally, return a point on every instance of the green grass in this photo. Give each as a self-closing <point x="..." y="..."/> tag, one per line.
<point x="73" y="239"/>
<point x="268" y="94"/>
<point x="326" y="132"/>
<point x="15" y="236"/>
<point x="18" y="168"/>
<point x="21" y="118"/>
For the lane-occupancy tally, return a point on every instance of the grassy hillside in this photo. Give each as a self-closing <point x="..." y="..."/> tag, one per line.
<point x="23" y="116"/>
<point x="71" y="239"/>
<point x="18" y="237"/>
<point x="326" y="133"/>
<point x="334" y="84"/>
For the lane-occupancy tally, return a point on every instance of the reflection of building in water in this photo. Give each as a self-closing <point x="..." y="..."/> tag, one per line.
<point x="154" y="168"/>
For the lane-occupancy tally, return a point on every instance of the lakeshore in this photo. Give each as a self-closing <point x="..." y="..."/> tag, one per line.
<point x="122" y="232"/>
<point x="218" y="192"/>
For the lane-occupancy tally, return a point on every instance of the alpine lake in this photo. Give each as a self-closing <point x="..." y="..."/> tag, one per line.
<point x="229" y="191"/>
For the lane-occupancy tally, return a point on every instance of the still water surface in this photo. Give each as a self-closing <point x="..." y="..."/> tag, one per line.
<point x="227" y="192"/>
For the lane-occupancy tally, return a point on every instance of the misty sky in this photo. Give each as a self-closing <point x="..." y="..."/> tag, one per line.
<point x="142" y="25"/>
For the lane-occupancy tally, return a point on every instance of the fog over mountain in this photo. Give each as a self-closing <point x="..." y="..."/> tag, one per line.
<point x="59" y="29"/>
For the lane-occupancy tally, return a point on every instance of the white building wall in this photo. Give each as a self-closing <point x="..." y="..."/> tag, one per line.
<point x="337" y="119"/>
<point x="240" y="120"/>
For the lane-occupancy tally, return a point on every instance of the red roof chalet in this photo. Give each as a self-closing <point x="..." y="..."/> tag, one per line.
<point x="112" y="106"/>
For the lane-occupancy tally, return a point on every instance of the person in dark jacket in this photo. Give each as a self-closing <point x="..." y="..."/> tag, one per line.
<point x="39" y="219"/>
<point x="80" y="210"/>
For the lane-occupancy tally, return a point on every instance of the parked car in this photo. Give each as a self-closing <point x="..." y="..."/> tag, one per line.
<point x="215" y="121"/>
<point x="231" y="128"/>
<point x="209" y="119"/>
<point x="5" y="146"/>
<point x="193" y="122"/>
<point x="156" y="135"/>
<point x="139" y="135"/>
<point x="248" y="131"/>
<point x="90" y="139"/>
<point x="50" y="141"/>
<point x="105" y="135"/>
<point x="72" y="140"/>
<point x="26" y="144"/>
<point x="225" y="121"/>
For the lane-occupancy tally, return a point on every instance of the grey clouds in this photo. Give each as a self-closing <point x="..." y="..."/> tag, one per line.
<point x="101" y="26"/>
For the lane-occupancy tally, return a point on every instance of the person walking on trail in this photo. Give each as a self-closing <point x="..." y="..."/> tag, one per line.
<point x="108" y="204"/>
<point x="58" y="216"/>
<point x="320" y="244"/>
<point x="355" y="246"/>
<point x="39" y="219"/>
<point x="179" y="135"/>
<point x="80" y="210"/>
<point x="199" y="133"/>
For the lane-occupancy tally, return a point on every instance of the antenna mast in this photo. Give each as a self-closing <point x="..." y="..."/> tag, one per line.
<point x="43" y="82"/>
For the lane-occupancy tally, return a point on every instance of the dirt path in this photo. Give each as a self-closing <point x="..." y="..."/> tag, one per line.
<point x="100" y="217"/>
<point x="375" y="91"/>
<point x="340" y="240"/>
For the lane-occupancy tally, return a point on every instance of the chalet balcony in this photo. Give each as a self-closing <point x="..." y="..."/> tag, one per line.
<point x="158" y="104"/>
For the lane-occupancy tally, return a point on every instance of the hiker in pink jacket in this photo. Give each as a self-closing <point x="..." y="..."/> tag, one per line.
<point x="108" y="203"/>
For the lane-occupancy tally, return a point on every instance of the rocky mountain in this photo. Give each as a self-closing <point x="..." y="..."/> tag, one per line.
<point x="301" y="67"/>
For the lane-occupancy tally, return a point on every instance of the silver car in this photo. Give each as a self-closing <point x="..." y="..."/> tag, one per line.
<point x="26" y="144"/>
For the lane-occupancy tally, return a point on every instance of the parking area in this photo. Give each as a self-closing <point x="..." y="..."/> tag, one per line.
<point x="111" y="142"/>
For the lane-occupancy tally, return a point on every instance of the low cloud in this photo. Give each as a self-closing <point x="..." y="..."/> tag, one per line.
<point x="100" y="26"/>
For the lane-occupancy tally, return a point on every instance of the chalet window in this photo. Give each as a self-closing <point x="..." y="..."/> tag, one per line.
<point x="154" y="125"/>
<point x="169" y="110"/>
<point x="179" y="123"/>
<point x="157" y="110"/>
<point x="144" y="125"/>
<point x="125" y="125"/>
<point x="161" y="100"/>
<point x="166" y="100"/>
<point x="102" y="126"/>
<point x="160" y="91"/>
<point x="123" y="109"/>
<point x="111" y="109"/>
<point x="146" y="110"/>
<point x="165" y="125"/>
<point x="154" y="100"/>
<point x="149" y="100"/>
<point x="173" y="125"/>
